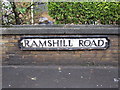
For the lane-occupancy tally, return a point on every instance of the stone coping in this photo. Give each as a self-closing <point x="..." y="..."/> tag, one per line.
<point x="60" y="30"/>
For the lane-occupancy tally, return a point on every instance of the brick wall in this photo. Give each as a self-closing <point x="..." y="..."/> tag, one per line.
<point x="12" y="55"/>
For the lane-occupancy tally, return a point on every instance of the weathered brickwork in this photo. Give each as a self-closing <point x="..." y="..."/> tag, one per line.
<point x="12" y="55"/>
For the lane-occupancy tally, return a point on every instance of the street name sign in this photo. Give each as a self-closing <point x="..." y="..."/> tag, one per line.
<point x="63" y="43"/>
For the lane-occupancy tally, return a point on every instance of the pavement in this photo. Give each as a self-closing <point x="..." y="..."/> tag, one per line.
<point x="59" y="77"/>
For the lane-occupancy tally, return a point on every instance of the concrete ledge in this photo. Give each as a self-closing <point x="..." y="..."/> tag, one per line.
<point x="60" y="29"/>
<point x="60" y="77"/>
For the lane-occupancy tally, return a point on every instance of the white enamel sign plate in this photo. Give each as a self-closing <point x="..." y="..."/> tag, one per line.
<point x="63" y="43"/>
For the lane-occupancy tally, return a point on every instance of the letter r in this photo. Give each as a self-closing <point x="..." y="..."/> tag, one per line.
<point x="26" y="43"/>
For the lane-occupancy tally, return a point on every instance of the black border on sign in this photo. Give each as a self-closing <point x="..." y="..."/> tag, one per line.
<point x="61" y="37"/>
